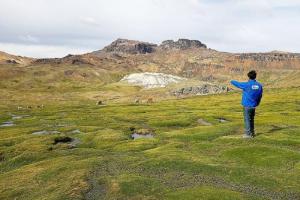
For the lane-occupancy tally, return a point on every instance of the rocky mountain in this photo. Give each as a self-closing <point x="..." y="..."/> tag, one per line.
<point x="187" y="59"/>
<point x="130" y="46"/>
<point x="181" y="44"/>
<point x="137" y="47"/>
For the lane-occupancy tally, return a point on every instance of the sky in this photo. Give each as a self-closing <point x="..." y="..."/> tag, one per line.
<point x="55" y="28"/>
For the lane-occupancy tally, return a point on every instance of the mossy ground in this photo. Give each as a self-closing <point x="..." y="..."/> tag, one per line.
<point x="185" y="160"/>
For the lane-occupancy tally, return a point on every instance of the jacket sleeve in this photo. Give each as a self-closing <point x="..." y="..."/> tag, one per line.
<point x="259" y="99"/>
<point x="241" y="85"/>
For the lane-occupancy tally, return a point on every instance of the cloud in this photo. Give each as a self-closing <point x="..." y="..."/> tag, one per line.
<point x="39" y="51"/>
<point x="227" y="25"/>
<point x="89" y="21"/>
<point x="29" y="38"/>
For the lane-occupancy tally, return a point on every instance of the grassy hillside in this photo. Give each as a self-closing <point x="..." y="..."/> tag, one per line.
<point x="95" y="75"/>
<point x="38" y="84"/>
<point x="185" y="160"/>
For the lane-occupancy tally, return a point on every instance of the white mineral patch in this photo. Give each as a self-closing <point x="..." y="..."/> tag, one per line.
<point x="151" y="80"/>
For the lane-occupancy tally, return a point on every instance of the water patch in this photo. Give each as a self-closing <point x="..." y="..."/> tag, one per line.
<point x="62" y="139"/>
<point x="13" y="116"/>
<point x="44" y="132"/>
<point x="141" y="133"/>
<point x="7" y="124"/>
<point x="138" y="136"/>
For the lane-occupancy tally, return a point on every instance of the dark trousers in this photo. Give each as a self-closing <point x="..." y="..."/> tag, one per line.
<point x="249" y="114"/>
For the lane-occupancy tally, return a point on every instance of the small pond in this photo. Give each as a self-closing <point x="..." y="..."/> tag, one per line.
<point x="7" y="124"/>
<point x="138" y="136"/>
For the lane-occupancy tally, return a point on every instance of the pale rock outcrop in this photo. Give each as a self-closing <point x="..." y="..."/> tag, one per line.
<point x="151" y="80"/>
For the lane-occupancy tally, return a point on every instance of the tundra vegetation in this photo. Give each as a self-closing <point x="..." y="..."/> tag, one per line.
<point x="86" y="151"/>
<point x="69" y="129"/>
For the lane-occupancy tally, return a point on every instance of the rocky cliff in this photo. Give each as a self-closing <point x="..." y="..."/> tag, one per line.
<point x="181" y="44"/>
<point x="130" y="46"/>
<point x="138" y="47"/>
<point x="269" y="57"/>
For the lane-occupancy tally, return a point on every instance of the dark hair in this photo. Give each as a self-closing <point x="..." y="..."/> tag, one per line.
<point x="252" y="74"/>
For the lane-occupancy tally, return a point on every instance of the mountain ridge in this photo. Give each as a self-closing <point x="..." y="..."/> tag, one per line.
<point x="142" y="48"/>
<point x="185" y="58"/>
<point x="98" y="74"/>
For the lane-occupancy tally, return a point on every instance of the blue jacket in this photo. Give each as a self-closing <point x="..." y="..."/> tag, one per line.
<point x="252" y="92"/>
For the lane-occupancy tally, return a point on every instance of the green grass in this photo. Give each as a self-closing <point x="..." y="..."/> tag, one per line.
<point x="185" y="160"/>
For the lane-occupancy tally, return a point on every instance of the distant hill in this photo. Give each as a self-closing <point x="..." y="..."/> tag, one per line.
<point x="6" y="58"/>
<point x="190" y="59"/>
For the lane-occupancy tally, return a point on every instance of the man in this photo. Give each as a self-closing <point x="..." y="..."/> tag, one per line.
<point x="252" y="94"/>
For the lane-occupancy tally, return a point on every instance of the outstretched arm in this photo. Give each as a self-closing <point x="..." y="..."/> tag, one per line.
<point x="237" y="84"/>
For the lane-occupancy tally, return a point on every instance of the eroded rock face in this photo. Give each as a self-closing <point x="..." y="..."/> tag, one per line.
<point x="152" y="80"/>
<point x="130" y="47"/>
<point x="50" y="61"/>
<point x="69" y="59"/>
<point x="273" y="56"/>
<point x="200" y="90"/>
<point x="11" y="62"/>
<point x="181" y="44"/>
<point x="138" y="47"/>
